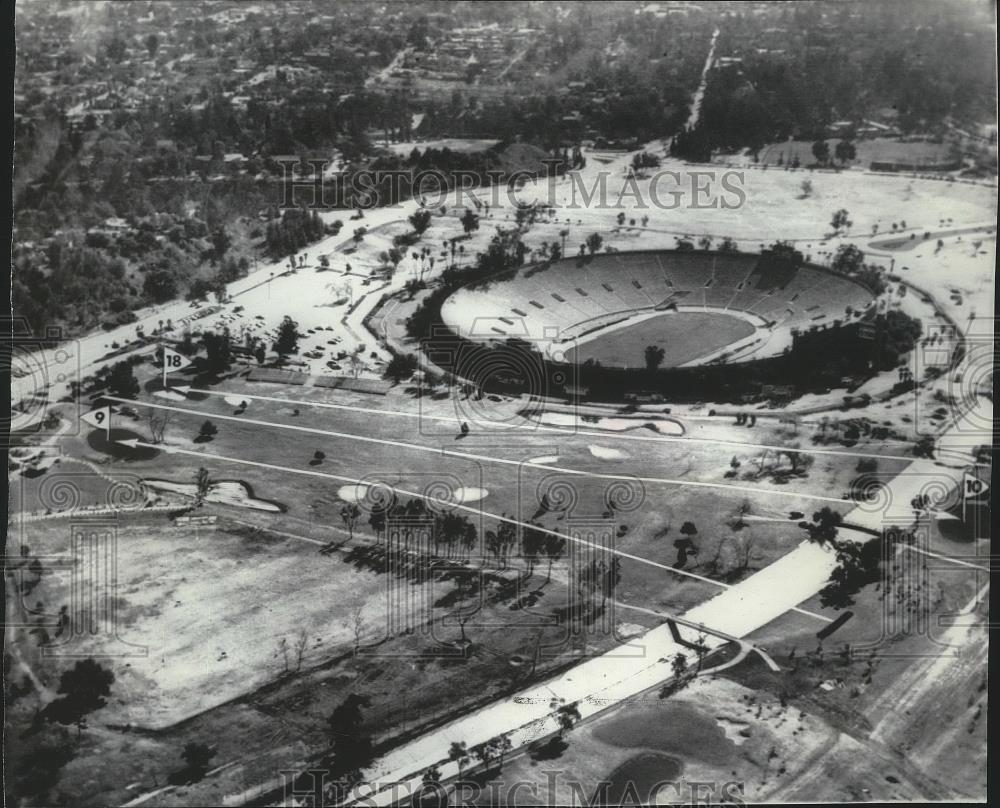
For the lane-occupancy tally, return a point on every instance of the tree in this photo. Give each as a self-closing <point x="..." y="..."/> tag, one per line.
<point x="288" y="337"/>
<point x="208" y="431"/>
<point x="448" y="528"/>
<point x="678" y="665"/>
<point x="117" y="49"/>
<point x="821" y="151"/>
<point x="747" y="544"/>
<point x="848" y="259"/>
<point x="857" y="566"/>
<point x="469" y="535"/>
<point x="567" y="716"/>
<point x="357" y="626"/>
<point x="158" y="420"/>
<point x="84" y="688"/>
<point x="203" y="484"/>
<point x="470" y="221"/>
<point x="218" y="351"/>
<point x="420" y="220"/>
<point x="841" y="221"/>
<point x="152" y="44"/>
<point x="197" y="756"/>
<point x="801" y="461"/>
<point x="393" y="256"/>
<point x="807" y="188"/>
<point x="492" y="750"/>
<point x="532" y="545"/>
<point x="824" y="525"/>
<point x="727" y="245"/>
<point x="500" y="542"/>
<point x="594" y="242"/>
<point x="458" y="753"/>
<point x="925" y="447"/>
<point x="555" y="546"/>
<point x="352" y="749"/>
<point x="122" y="381"/>
<point x="740" y="512"/>
<point x="468" y="587"/>
<point x="654" y="357"/>
<point x="220" y="242"/>
<point x="600" y="576"/>
<point x="688" y="529"/>
<point x="400" y="367"/>
<point x="845" y="151"/>
<point x="349" y="514"/>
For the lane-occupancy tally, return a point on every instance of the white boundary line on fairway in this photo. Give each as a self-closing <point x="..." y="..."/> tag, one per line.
<point x="951" y="560"/>
<point x="479" y="457"/>
<point x="535" y="427"/>
<point x="459" y="506"/>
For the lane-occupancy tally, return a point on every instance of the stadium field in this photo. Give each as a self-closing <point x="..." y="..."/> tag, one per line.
<point x="684" y="337"/>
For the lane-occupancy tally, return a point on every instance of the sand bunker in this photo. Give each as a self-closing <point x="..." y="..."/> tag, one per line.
<point x="546" y="460"/>
<point x="664" y="426"/>
<point x="170" y="395"/>
<point x="356" y="493"/>
<point x="352" y="493"/>
<point x="733" y="728"/>
<point x="237" y="401"/>
<point x="470" y="494"/>
<point x="604" y="453"/>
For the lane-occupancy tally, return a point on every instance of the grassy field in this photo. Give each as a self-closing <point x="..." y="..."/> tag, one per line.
<point x="883" y="150"/>
<point x="224" y="599"/>
<point x="684" y="337"/>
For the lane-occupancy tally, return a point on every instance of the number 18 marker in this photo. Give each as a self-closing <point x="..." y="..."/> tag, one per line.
<point x="173" y="361"/>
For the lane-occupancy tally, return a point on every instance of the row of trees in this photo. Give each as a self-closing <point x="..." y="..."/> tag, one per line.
<point x="456" y="533"/>
<point x="297" y="228"/>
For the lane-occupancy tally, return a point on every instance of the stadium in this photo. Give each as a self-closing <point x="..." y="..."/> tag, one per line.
<point x="693" y="308"/>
